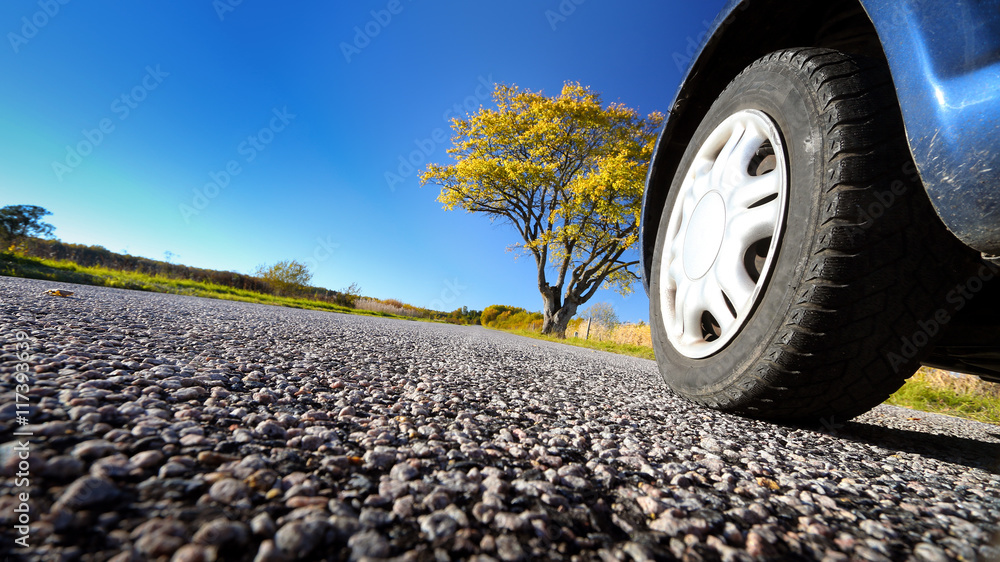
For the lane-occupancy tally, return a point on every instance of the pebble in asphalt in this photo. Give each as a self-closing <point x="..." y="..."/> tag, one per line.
<point x="176" y="428"/>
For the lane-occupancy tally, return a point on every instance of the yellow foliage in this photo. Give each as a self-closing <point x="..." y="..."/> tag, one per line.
<point x="565" y="171"/>
<point x="492" y="312"/>
<point x="510" y="318"/>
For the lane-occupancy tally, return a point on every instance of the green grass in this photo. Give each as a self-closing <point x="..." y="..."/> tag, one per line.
<point x="621" y="349"/>
<point x="942" y="393"/>
<point x="69" y="272"/>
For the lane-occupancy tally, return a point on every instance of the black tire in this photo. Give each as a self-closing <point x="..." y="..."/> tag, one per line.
<point x="862" y="259"/>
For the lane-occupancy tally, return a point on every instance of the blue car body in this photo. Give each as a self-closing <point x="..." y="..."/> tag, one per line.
<point x="944" y="59"/>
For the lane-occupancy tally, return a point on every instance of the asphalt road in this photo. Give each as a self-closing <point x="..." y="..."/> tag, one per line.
<point x="180" y="428"/>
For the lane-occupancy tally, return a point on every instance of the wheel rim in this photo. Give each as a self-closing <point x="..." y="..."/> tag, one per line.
<point x="723" y="235"/>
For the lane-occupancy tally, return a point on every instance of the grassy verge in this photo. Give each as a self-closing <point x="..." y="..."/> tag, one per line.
<point x="69" y="272"/>
<point x="621" y="349"/>
<point x="930" y="390"/>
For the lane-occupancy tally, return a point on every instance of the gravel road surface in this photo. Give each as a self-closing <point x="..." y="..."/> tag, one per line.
<point x="176" y="428"/>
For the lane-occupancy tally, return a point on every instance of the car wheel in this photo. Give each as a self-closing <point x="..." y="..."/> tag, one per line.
<point x="797" y="251"/>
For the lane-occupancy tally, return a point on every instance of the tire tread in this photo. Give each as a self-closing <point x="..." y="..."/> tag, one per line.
<point x="869" y="281"/>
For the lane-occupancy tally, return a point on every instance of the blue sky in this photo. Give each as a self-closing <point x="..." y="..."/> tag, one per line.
<point x="235" y="135"/>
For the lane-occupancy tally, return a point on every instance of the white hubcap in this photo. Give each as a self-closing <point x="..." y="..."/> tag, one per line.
<point x="723" y="234"/>
<point x="704" y="235"/>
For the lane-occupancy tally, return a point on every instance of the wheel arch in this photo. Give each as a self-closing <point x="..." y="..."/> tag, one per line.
<point x="745" y="31"/>
<point x="944" y="59"/>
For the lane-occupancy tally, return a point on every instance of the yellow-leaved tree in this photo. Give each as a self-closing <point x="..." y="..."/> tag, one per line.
<point x="287" y="277"/>
<point x="567" y="173"/>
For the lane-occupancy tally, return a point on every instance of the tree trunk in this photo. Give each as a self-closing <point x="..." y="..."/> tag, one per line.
<point x="556" y="316"/>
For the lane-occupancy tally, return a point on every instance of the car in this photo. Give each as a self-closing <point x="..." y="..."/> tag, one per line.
<point x="821" y="214"/>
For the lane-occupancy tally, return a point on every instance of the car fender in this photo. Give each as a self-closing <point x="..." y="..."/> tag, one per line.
<point x="944" y="59"/>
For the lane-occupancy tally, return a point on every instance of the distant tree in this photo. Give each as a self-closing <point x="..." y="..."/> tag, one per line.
<point x="286" y="277"/>
<point x="602" y="314"/>
<point x="474" y="317"/>
<point x="462" y="315"/>
<point x="567" y="173"/>
<point x="20" y="221"/>
<point x="351" y="294"/>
